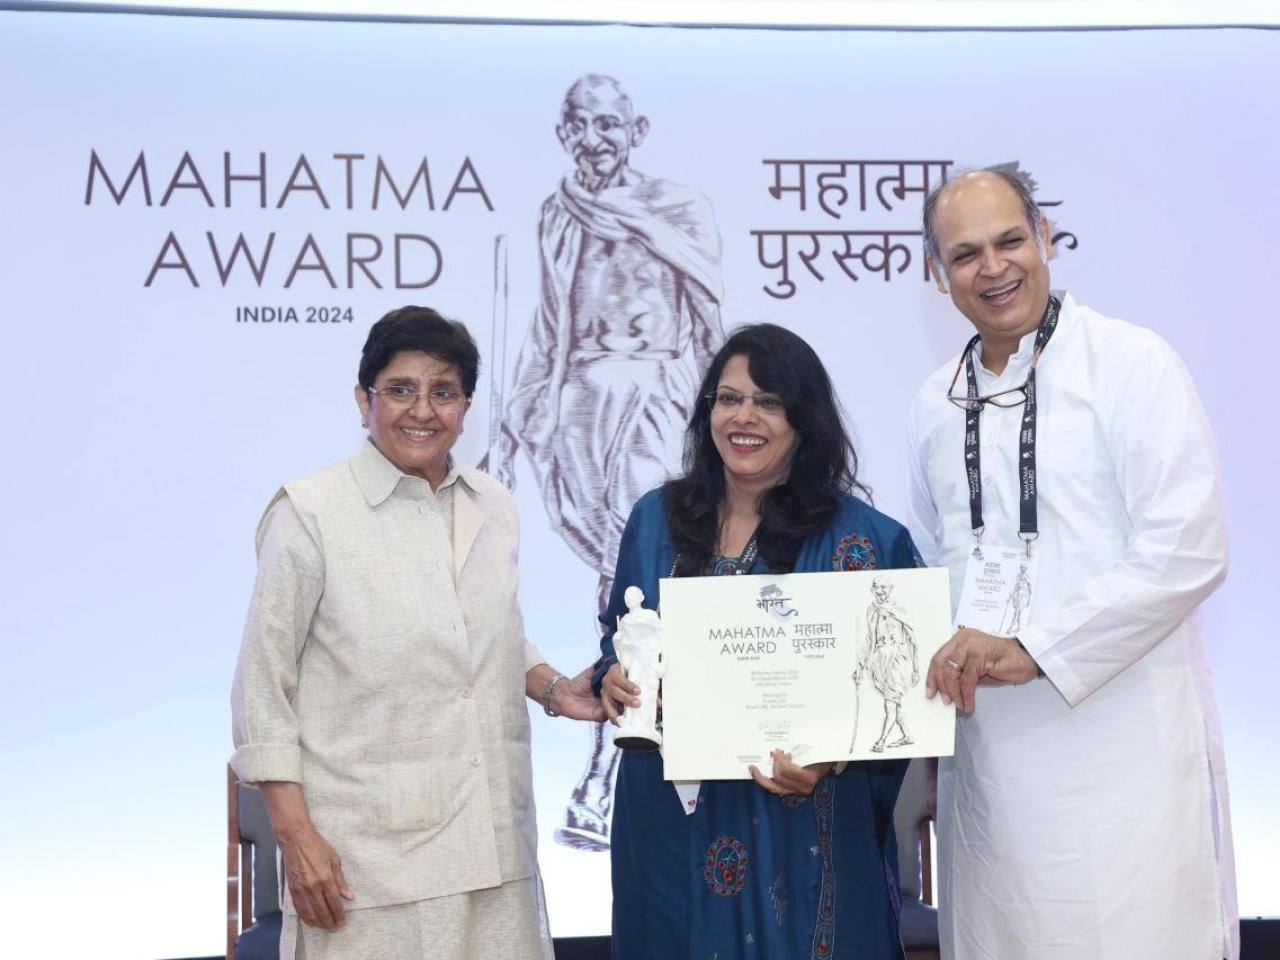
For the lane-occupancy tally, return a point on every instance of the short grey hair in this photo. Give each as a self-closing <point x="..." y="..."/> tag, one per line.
<point x="1017" y="182"/>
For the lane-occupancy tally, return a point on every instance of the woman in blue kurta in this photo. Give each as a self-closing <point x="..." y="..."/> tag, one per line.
<point x="797" y="863"/>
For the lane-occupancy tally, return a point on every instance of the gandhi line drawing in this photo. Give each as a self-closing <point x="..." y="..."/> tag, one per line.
<point x="1016" y="606"/>
<point x="628" y="316"/>
<point x="889" y="656"/>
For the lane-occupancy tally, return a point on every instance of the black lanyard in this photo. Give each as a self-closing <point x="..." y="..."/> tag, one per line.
<point x="740" y="565"/>
<point x="1027" y="525"/>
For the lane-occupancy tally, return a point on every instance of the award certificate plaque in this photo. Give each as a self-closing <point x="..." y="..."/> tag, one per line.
<point x="828" y="666"/>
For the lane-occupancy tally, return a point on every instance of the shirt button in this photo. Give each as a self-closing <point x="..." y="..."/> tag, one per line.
<point x="475" y="760"/>
<point x="467" y="693"/>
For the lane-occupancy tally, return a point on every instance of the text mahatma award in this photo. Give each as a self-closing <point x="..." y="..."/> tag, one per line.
<point x="828" y="666"/>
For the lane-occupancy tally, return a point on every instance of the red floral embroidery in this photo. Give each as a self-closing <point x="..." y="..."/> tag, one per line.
<point x="854" y="552"/>
<point x="725" y="870"/>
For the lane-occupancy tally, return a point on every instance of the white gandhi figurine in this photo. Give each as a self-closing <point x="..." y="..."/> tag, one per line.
<point x="638" y="644"/>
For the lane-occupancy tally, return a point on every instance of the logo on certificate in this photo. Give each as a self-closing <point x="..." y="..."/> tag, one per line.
<point x="775" y="604"/>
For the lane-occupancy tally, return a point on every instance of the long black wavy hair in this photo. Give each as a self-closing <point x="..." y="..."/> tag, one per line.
<point x="824" y="465"/>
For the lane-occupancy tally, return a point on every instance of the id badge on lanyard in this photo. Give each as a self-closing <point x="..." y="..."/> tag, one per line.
<point x="998" y="584"/>
<point x="999" y="579"/>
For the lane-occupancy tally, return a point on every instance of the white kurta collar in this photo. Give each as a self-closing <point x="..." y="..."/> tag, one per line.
<point x="1020" y="359"/>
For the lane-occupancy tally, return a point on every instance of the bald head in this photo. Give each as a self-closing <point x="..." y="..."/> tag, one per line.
<point x="591" y="91"/>
<point x="989" y="246"/>
<point x="984" y="178"/>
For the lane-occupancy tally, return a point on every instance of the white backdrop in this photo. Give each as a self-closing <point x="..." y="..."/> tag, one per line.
<point x="146" y="428"/>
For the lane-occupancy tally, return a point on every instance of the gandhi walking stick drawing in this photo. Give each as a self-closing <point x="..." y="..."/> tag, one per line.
<point x="889" y="656"/>
<point x="498" y="336"/>
<point x="857" y="708"/>
<point x="629" y="313"/>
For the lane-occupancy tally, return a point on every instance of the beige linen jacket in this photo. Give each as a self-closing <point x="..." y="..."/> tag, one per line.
<point x="384" y="671"/>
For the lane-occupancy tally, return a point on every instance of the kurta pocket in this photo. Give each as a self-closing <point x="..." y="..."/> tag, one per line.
<point x="416" y="784"/>
<point x="1074" y="467"/>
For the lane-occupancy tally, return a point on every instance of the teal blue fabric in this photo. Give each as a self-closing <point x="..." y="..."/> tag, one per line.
<point x="749" y="874"/>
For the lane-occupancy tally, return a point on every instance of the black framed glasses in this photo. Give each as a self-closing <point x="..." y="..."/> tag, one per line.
<point x="1013" y="397"/>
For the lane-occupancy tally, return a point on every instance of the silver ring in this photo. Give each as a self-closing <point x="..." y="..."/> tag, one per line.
<point x="953" y="665"/>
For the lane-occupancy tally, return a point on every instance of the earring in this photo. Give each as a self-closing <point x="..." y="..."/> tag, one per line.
<point x="365" y="424"/>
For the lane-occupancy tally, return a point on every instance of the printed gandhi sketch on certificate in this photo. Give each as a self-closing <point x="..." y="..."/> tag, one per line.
<point x="628" y="317"/>
<point x="890" y="659"/>
<point x="898" y="632"/>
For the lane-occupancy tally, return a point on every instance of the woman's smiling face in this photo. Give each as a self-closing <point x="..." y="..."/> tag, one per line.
<point x="416" y="437"/>
<point x="750" y="428"/>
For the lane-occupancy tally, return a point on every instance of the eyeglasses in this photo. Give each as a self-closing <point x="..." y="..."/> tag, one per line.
<point x="577" y="126"/>
<point x="404" y="396"/>
<point x="730" y="400"/>
<point x="1013" y="397"/>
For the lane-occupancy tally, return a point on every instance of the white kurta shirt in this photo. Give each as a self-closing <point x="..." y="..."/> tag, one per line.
<point x="1084" y="814"/>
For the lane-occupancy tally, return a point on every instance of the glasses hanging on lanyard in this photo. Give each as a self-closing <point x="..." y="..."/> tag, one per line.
<point x="973" y="402"/>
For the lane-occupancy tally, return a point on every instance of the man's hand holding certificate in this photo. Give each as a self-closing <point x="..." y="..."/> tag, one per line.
<point x="826" y="666"/>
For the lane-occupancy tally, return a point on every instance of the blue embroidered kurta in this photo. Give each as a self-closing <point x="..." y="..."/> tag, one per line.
<point x="749" y="874"/>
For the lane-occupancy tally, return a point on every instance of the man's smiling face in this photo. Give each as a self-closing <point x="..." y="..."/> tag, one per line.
<point x="996" y="270"/>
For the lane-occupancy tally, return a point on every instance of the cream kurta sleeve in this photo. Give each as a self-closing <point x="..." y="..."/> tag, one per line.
<point x="532" y="656"/>
<point x="1162" y="447"/>
<point x="285" y="595"/>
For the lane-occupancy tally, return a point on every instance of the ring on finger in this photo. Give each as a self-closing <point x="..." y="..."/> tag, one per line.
<point x="954" y="664"/>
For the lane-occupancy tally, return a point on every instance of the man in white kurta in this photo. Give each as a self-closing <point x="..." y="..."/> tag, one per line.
<point x="1084" y="814"/>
